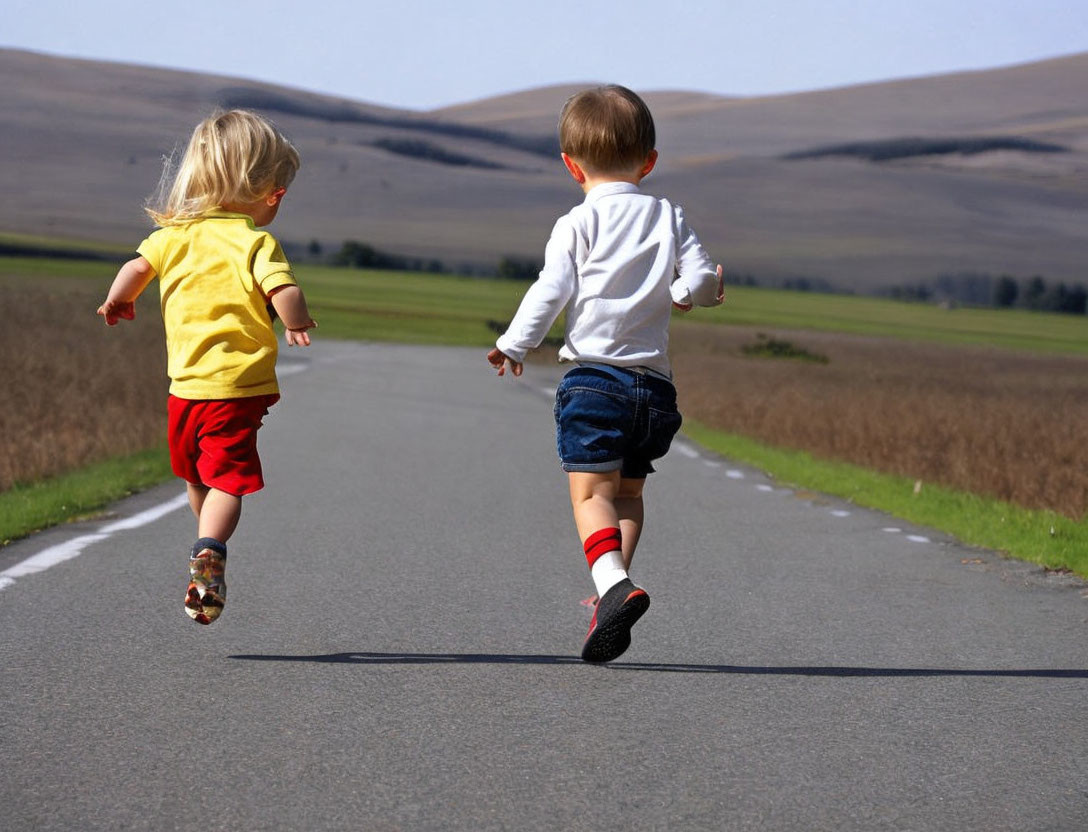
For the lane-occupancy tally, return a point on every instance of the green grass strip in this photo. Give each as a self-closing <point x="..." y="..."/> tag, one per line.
<point x="25" y="509"/>
<point x="1017" y="329"/>
<point x="43" y="246"/>
<point x="1043" y="537"/>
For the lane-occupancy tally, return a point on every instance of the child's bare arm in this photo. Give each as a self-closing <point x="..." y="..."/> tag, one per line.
<point x="131" y="280"/>
<point x="290" y="305"/>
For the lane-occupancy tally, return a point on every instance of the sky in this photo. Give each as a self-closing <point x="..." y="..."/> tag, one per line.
<point x="423" y="54"/>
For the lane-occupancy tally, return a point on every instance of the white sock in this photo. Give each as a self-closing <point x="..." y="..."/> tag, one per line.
<point x="607" y="571"/>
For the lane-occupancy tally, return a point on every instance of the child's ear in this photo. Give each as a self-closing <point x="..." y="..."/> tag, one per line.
<point x="575" y="170"/>
<point x="276" y="195"/>
<point x="651" y="160"/>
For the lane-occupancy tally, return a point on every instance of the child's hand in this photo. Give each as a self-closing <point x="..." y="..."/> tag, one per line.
<point x="132" y="278"/>
<point x="298" y="336"/>
<point x="721" y="285"/>
<point x="115" y="310"/>
<point x="498" y="359"/>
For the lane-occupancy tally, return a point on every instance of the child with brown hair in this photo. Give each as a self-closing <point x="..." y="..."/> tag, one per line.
<point x="618" y="263"/>
<point x="219" y="279"/>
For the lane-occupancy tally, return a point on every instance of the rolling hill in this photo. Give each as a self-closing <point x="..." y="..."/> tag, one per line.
<point x="83" y="143"/>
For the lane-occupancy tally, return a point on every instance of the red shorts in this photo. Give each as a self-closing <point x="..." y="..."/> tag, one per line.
<point x="214" y="443"/>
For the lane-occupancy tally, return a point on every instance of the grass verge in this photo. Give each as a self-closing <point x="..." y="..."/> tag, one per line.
<point x="1017" y="329"/>
<point x="1043" y="537"/>
<point x="25" y="509"/>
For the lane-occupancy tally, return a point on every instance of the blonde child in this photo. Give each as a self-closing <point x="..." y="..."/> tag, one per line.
<point x="618" y="263"/>
<point x="217" y="276"/>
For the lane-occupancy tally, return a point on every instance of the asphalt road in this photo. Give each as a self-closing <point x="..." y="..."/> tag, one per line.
<point x="399" y="649"/>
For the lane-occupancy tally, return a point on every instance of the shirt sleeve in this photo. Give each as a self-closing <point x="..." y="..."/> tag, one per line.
<point x="151" y="249"/>
<point x="270" y="267"/>
<point x="697" y="277"/>
<point x="546" y="298"/>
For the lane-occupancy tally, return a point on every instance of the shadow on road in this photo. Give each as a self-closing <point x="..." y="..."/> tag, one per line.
<point x="492" y="658"/>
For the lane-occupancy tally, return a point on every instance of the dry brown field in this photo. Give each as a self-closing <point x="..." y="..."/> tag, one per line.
<point x="75" y="392"/>
<point x="1008" y="424"/>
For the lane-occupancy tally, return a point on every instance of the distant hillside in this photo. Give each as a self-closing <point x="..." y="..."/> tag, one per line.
<point x="83" y="143"/>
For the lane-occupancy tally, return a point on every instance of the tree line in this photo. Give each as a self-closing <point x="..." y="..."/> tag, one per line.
<point x="1003" y="292"/>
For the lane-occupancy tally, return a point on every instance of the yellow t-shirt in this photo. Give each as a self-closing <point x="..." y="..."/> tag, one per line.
<point x="215" y="274"/>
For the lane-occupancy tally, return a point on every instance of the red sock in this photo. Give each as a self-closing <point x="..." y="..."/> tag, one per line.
<point x="602" y="542"/>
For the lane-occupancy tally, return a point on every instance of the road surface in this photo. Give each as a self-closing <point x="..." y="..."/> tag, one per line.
<point x="399" y="648"/>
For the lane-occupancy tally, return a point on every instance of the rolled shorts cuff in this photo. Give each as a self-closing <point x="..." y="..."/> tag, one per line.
<point x="592" y="467"/>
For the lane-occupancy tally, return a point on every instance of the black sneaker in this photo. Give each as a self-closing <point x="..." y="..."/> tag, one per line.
<point x="610" y="630"/>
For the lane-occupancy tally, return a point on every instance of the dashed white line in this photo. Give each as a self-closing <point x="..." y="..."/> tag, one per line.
<point x="290" y="369"/>
<point x="686" y="450"/>
<point x="734" y="474"/>
<point x="72" y="548"/>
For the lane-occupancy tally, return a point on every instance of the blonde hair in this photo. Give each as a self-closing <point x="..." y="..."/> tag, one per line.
<point x="607" y="129"/>
<point x="234" y="156"/>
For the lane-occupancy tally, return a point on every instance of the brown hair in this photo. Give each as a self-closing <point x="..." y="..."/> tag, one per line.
<point x="607" y="129"/>
<point x="233" y="156"/>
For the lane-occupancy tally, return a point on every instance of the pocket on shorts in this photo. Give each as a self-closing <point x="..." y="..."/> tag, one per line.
<point x="663" y="427"/>
<point x="592" y="423"/>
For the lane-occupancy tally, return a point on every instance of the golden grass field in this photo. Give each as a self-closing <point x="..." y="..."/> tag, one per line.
<point x="1012" y="425"/>
<point x="72" y="395"/>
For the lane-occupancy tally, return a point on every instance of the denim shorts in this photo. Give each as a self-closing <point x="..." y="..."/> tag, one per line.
<point x="614" y="419"/>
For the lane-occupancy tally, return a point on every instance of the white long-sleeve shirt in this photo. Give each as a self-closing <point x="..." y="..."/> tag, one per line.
<point x="616" y="262"/>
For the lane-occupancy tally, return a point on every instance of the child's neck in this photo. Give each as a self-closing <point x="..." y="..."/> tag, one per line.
<point x="595" y="179"/>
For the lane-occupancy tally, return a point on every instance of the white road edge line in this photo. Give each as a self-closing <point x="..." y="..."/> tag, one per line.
<point x="72" y="548"/>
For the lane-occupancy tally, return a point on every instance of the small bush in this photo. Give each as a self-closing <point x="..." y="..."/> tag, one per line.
<point x="768" y="347"/>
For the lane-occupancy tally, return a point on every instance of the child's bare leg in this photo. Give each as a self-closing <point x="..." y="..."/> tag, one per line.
<point x="603" y="503"/>
<point x="630" y="510"/>
<point x="197" y="493"/>
<point x="219" y="515"/>
<point x="593" y="499"/>
<point x="217" y="512"/>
